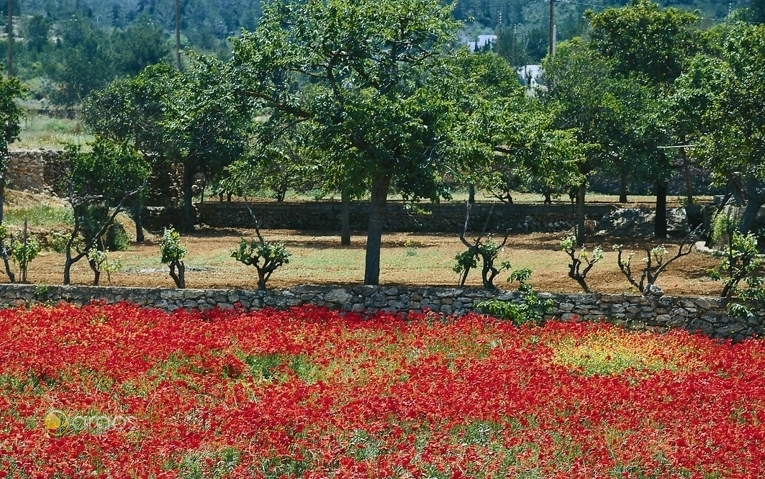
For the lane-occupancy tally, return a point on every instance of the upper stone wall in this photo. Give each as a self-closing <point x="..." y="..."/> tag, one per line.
<point x="37" y="171"/>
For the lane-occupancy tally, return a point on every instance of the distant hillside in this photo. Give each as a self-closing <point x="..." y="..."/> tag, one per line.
<point x="207" y="22"/>
<point x="67" y="48"/>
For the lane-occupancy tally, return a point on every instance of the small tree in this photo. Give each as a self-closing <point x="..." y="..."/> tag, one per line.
<point x="98" y="260"/>
<point x="584" y="257"/>
<point x="485" y="250"/>
<point x="23" y="250"/>
<point x="172" y="255"/>
<point x="655" y="262"/>
<point x="108" y="175"/>
<point x="265" y="256"/>
<point x="741" y="262"/>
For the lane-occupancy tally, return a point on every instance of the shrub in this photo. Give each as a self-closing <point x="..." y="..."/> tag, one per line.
<point x="529" y="308"/>
<point x="654" y="263"/>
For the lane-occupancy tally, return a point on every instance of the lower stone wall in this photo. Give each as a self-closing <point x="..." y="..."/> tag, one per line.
<point x="704" y="315"/>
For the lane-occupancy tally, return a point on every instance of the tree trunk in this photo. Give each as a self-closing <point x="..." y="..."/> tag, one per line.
<point x="139" y="238"/>
<point x="755" y="198"/>
<point x="687" y="173"/>
<point x="188" y="195"/>
<point x="471" y="193"/>
<point x="623" y="186"/>
<point x="377" y="208"/>
<point x="580" y="194"/>
<point x="178" y="273"/>
<point x="3" y="251"/>
<point x="2" y="192"/>
<point x="345" y="218"/>
<point x="67" y="267"/>
<point x="660" y="225"/>
<point x="96" y="272"/>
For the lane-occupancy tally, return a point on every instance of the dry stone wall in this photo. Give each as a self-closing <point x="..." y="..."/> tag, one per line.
<point x="705" y="315"/>
<point x="37" y="171"/>
<point x="434" y="218"/>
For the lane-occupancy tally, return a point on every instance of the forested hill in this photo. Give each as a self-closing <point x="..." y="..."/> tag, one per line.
<point x="205" y="22"/>
<point x="66" y="48"/>
<point x="531" y="12"/>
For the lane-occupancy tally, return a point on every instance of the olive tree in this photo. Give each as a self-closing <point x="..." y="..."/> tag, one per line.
<point x="361" y="75"/>
<point x="106" y="177"/>
<point x="11" y="113"/>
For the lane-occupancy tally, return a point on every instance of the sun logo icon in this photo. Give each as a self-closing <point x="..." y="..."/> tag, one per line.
<point x="56" y="422"/>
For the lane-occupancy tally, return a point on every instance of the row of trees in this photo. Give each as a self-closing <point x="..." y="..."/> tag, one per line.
<point x="373" y="97"/>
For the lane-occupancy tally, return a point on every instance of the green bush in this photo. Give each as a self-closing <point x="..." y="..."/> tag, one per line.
<point x="530" y="308"/>
<point x="115" y="238"/>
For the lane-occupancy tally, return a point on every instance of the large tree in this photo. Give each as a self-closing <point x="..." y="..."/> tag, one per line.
<point x="83" y="61"/>
<point x="527" y="150"/>
<point x="205" y="129"/>
<point x="582" y="95"/>
<point x="11" y="91"/>
<point x="189" y="119"/>
<point x="359" y="74"/>
<point x="650" y="45"/>
<point x="132" y="111"/>
<point x="727" y="92"/>
<point x="11" y="113"/>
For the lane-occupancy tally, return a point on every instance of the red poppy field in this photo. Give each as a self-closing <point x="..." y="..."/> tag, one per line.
<point x="118" y="391"/>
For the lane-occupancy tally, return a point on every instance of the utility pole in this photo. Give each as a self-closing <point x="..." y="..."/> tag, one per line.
<point x="552" y="29"/>
<point x="177" y="33"/>
<point x="10" y="38"/>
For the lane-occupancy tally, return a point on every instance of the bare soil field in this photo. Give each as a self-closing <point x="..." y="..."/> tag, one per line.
<point x="318" y="258"/>
<point x="407" y="259"/>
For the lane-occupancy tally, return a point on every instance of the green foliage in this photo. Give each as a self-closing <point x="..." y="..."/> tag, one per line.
<point x="380" y="105"/>
<point x="265" y="256"/>
<point x="170" y="246"/>
<point x="722" y="227"/>
<point x="741" y="262"/>
<point x="23" y="252"/>
<point x="40" y="215"/>
<point x="115" y="238"/>
<point x="724" y="89"/>
<point x="284" y="163"/>
<point x="589" y="259"/>
<point x="133" y="110"/>
<point x="85" y="62"/>
<point x="173" y="253"/>
<point x="100" y="262"/>
<point x="11" y="91"/>
<point x="111" y="173"/>
<point x="645" y="39"/>
<point x="41" y="292"/>
<point x="528" y="308"/>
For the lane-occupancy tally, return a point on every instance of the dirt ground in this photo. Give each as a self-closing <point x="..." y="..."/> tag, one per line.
<point x="406" y="259"/>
